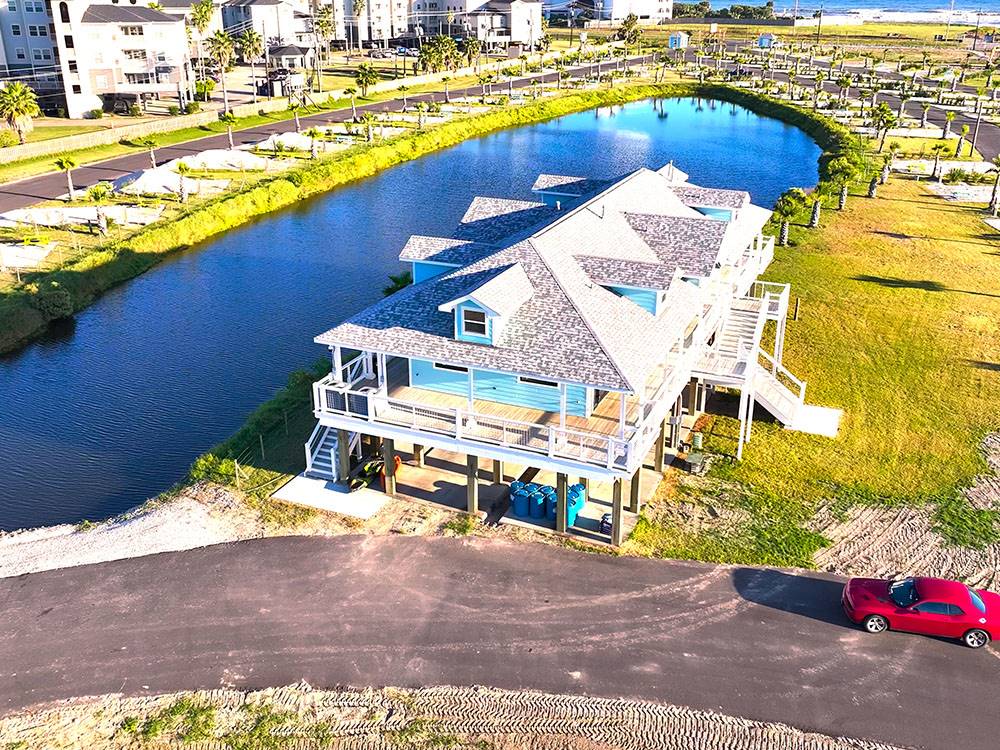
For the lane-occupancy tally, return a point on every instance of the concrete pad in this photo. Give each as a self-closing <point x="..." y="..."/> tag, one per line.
<point x="817" y="420"/>
<point x="333" y="497"/>
<point x="993" y="224"/>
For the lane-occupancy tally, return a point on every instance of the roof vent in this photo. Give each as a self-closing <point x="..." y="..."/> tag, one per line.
<point x="558" y="205"/>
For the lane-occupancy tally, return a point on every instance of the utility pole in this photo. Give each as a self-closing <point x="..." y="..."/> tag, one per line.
<point x="819" y="25"/>
<point x="951" y="12"/>
<point x="975" y="39"/>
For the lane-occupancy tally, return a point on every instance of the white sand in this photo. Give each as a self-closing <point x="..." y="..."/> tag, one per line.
<point x="200" y="517"/>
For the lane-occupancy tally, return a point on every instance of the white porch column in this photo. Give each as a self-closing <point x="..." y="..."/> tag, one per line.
<point x="562" y="405"/>
<point x="338" y="362"/>
<point x="621" y="415"/>
<point x="743" y="422"/>
<point x="472" y="390"/>
<point x="382" y="379"/>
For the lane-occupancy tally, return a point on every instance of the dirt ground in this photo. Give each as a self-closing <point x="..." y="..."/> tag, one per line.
<point x="439" y="717"/>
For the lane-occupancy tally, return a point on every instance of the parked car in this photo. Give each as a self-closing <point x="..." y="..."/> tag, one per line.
<point x="380" y="53"/>
<point x="929" y="606"/>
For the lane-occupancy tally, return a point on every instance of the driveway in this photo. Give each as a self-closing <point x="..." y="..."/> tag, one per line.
<point x="408" y="611"/>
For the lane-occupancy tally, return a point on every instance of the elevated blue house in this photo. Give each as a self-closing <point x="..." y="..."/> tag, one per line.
<point x="568" y="333"/>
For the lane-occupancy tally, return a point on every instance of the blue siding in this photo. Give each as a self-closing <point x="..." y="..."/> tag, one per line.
<point x="423" y="271"/>
<point x="500" y="387"/>
<point x="423" y="374"/>
<point x="722" y="214"/>
<point x="487" y="339"/>
<point x="644" y="298"/>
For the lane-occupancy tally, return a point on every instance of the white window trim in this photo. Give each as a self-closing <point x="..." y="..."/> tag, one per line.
<point x="485" y="322"/>
<point x="450" y="368"/>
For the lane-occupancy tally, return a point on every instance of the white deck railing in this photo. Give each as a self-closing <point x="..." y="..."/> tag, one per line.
<point x="371" y="405"/>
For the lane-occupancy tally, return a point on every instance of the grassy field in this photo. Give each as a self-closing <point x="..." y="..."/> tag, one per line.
<point x="900" y="328"/>
<point x="920" y="148"/>
<point x="45" y="132"/>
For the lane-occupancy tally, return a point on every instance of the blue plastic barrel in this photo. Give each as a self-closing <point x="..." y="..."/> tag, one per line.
<point x="576" y="504"/>
<point x="521" y="503"/>
<point x="551" y="503"/>
<point x="532" y="487"/>
<point x="515" y="486"/>
<point x="536" y="505"/>
<point x="578" y="488"/>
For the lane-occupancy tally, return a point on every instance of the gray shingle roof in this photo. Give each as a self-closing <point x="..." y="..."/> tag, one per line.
<point x="493" y="219"/>
<point x="568" y="185"/>
<point x="546" y="272"/>
<point x="693" y="195"/>
<point x="682" y="243"/>
<point x="126" y="14"/>
<point x="443" y="250"/>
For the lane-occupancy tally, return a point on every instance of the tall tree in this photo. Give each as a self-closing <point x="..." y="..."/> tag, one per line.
<point x="229" y="120"/>
<point x="221" y="49"/>
<point x="251" y="46"/>
<point x="323" y="30"/>
<point x="353" y="93"/>
<point x="18" y="104"/>
<point x="358" y="7"/>
<point x="200" y="19"/>
<point x="630" y="32"/>
<point x="790" y="203"/>
<point x="473" y="48"/>
<point x="995" y="197"/>
<point x="149" y="143"/>
<point x="67" y="164"/>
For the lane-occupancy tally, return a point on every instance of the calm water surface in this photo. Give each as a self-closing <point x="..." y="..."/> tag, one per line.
<point x="115" y="407"/>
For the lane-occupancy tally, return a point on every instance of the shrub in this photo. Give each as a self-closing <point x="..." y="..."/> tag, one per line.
<point x="956" y="175"/>
<point x="53" y="301"/>
<point x="95" y="114"/>
<point x="135" y="110"/>
<point x="173" y="110"/>
<point x="295" y="178"/>
<point x="7" y="138"/>
<point x="191" y="107"/>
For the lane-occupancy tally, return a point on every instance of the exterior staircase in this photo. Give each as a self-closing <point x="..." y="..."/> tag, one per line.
<point x="321" y="461"/>
<point x="740" y="325"/>
<point x="777" y="390"/>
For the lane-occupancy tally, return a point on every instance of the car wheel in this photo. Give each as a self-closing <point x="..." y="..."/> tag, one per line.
<point x="875" y="624"/>
<point x="976" y="638"/>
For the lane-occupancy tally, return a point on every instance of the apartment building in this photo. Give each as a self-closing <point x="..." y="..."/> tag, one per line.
<point x="496" y="23"/>
<point x="615" y="11"/>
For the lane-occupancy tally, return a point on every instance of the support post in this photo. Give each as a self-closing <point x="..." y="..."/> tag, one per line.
<point x="472" y="477"/>
<point x="693" y="397"/>
<point x="343" y="454"/>
<point x="389" y="459"/>
<point x="586" y="486"/>
<point x="743" y="423"/>
<point x="661" y="445"/>
<point x="562" y="504"/>
<point x="635" y="488"/>
<point x="616" y="513"/>
<point x="497" y="471"/>
<point x="418" y="454"/>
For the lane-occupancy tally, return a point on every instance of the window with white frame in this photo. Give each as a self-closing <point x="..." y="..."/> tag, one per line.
<point x="135" y="54"/>
<point x="131" y="30"/>
<point x="15" y="29"/>
<point x="20" y="54"/>
<point x="38" y="30"/>
<point x="12" y="5"/>
<point x="139" y="78"/>
<point x="473" y="322"/>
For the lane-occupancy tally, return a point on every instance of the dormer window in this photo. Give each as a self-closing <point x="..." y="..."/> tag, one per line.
<point x="473" y="322"/>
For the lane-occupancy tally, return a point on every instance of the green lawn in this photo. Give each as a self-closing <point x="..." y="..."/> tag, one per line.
<point x="920" y="148"/>
<point x="48" y="132"/>
<point x="900" y="328"/>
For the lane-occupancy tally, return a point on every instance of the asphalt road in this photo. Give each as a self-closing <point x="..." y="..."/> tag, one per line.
<point x="407" y="611"/>
<point x="49" y="186"/>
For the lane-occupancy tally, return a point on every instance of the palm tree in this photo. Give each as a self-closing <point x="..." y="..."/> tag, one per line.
<point x="402" y="90"/>
<point x="313" y="134"/>
<point x="353" y="92"/>
<point x="473" y="49"/>
<point x="447" y="95"/>
<point x="937" y="149"/>
<point x="150" y="143"/>
<point x="359" y="8"/>
<point x="903" y="98"/>
<point x="399" y="281"/>
<point x="365" y="77"/>
<point x="251" y="46"/>
<point x="201" y="18"/>
<point x="220" y="49"/>
<point x="844" y="82"/>
<point x="229" y="120"/>
<point x="789" y="204"/>
<point x="963" y="133"/>
<point x="816" y="207"/>
<point x="925" y="108"/>
<point x="182" y="170"/>
<point x="18" y="104"/>
<point x="841" y="172"/>
<point x="67" y="164"/>
<point x="995" y="197"/>
<point x="949" y="118"/>
<point x="294" y="108"/>
<point x="882" y="119"/>
<point x="323" y="30"/>
<point x="368" y="119"/>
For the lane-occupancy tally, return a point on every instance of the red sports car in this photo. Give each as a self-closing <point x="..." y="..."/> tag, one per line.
<point x="931" y="606"/>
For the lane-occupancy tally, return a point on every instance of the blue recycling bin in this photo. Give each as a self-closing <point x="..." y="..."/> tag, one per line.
<point x="536" y="505"/>
<point x="521" y="503"/>
<point x="515" y="486"/>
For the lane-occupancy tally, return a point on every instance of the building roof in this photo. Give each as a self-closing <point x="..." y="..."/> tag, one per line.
<point x="546" y="272"/>
<point x="287" y="50"/>
<point x="712" y="197"/>
<point x="126" y="14"/>
<point x="562" y="184"/>
<point x="490" y="220"/>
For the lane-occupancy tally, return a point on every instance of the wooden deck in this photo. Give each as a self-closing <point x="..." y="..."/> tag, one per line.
<point x="603" y="421"/>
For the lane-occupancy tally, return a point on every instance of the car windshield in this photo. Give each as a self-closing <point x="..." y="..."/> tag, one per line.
<point x="977" y="601"/>
<point x="904" y="592"/>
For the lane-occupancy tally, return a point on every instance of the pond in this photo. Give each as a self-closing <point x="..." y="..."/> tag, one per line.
<point x="113" y="407"/>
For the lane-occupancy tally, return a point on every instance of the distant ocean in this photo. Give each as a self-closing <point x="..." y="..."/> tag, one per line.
<point x="932" y="11"/>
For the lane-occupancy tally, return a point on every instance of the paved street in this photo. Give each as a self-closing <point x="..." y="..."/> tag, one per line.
<point x="408" y="611"/>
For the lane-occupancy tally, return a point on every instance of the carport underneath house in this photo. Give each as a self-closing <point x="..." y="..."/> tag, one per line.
<point x="448" y="456"/>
